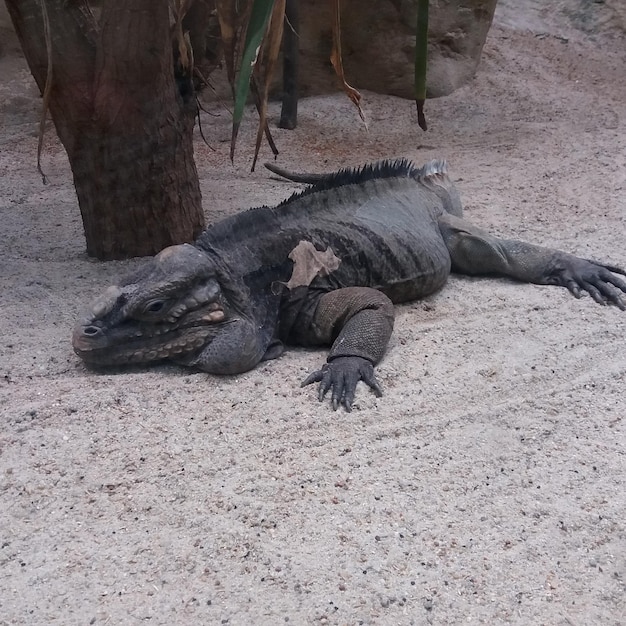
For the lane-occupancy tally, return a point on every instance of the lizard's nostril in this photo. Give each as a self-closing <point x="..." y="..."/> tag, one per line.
<point x="91" y="331"/>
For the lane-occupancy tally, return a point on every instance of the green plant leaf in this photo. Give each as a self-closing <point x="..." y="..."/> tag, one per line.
<point x="257" y="26"/>
<point x="264" y="70"/>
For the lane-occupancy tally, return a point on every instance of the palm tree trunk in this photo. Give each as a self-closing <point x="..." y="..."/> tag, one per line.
<point x="126" y="125"/>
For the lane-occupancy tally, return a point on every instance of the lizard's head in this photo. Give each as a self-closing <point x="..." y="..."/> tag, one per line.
<point x="180" y="306"/>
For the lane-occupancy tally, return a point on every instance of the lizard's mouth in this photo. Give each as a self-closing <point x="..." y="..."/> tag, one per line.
<point x="135" y="341"/>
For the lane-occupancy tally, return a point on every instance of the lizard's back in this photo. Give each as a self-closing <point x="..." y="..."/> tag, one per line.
<point x="381" y="225"/>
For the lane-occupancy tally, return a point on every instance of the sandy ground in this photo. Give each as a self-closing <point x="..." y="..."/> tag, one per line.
<point x="487" y="485"/>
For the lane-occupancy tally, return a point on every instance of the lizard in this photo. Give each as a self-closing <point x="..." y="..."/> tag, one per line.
<point x="325" y="267"/>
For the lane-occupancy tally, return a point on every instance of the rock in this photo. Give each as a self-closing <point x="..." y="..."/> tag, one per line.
<point x="378" y="44"/>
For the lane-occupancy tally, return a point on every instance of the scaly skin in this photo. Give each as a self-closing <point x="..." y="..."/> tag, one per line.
<point x="322" y="268"/>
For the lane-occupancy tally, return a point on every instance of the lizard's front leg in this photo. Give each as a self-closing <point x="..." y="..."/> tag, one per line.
<point x="358" y="322"/>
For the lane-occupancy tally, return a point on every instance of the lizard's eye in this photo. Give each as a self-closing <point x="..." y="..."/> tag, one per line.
<point x="155" y="306"/>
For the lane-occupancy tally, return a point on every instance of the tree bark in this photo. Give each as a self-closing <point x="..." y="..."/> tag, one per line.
<point x="123" y="118"/>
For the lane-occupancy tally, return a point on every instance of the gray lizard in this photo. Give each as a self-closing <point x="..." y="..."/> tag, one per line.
<point x="324" y="267"/>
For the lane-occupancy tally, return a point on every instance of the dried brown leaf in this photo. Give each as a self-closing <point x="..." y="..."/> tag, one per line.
<point x="232" y="17"/>
<point x="337" y="61"/>
<point x="264" y="71"/>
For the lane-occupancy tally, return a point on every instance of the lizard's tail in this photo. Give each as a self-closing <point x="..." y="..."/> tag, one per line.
<point x="309" y="179"/>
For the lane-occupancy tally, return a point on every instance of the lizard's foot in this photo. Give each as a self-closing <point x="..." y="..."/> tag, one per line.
<point x="598" y="280"/>
<point x="342" y="375"/>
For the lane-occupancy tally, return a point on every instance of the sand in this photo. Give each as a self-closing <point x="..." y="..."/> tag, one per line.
<point x="487" y="485"/>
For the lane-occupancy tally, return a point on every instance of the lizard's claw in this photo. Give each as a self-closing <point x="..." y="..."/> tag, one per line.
<point x="342" y="375"/>
<point x="598" y="280"/>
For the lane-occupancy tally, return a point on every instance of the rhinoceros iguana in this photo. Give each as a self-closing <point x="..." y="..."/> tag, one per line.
<point x="324" y="267"/>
